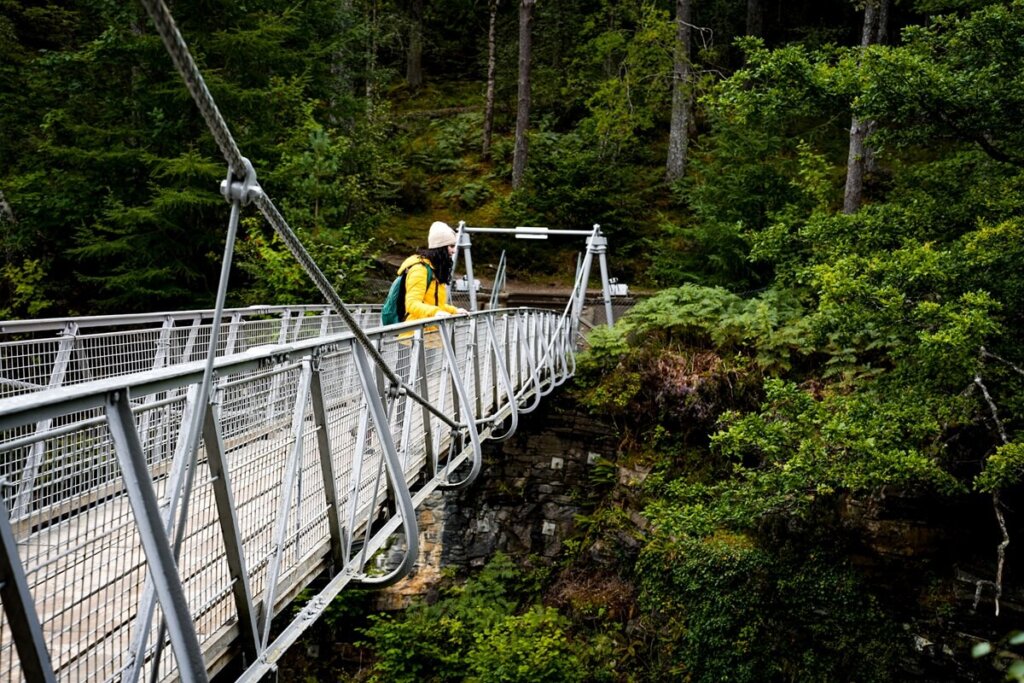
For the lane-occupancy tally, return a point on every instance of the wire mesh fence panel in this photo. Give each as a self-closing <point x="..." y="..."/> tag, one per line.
<point x="10" y="661"/>
<point x="26" y="366"/>
<point x="255" y="424"/>
<point x="341" y="396"/>
<point x="33" y="354"/>
<point x="204" y="572"/>
<point x="85" y="570"/>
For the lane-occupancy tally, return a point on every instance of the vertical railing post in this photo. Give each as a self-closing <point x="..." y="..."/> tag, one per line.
<point x="430" y="455"/>
<point x="232" y="338"/>
<point x="163" y="346"/>
<point x="495" y="362"/>
<point x="275" y="381"/>
<point x="190" y="340"/>
<point x="460" y="398"/>
<point x="405" y="431"/>
<point x="19" y="606"/>
<point x="464" y="243"/>
<point x="285" y="499"/>
<point x="27" y="482"/>
<point x="498" y="284"/>
<point x="155" y="542"/>
<point x="230" y="532"/>
<point x="599" y="243"/>
<point x="581" y="292"/>
<point x="473" y="356"/>
<point x="356" y="474"/>
<point x="501" y="372"/>
<point x="323" y="437"/>
<point x="403" y="499"/>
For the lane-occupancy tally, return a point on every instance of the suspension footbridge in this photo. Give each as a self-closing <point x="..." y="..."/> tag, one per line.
<point x="169" y="482"/>
<point x="149" y="533"/>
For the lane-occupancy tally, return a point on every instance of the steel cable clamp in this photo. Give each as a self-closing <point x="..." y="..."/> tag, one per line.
<point x="241" y="189"/>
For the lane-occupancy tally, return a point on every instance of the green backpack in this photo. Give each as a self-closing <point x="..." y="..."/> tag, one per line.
<point x="393" y="311"/>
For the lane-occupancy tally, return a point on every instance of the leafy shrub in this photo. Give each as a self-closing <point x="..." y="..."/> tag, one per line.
<point x="1003" y="469"/>
<point x="277" y="278"/>
<point x="431" y="641"/>
<point x="527" y="648"/>
<point x="681" y="357"/>
<point x="725" y="609"/>
<point x="26" y="285"/>
<point x="468" y="195"/>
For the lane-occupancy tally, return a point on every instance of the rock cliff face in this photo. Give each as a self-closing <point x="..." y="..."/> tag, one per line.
<point x="925" y="557"/>
<point x="523" y="503"/>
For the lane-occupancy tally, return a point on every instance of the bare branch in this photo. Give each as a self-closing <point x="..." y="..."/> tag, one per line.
<point x="1001" y="550"/>
<point x="991" y="407"/>
<point x="988" y="354"/>
<point x="996" y="505"/>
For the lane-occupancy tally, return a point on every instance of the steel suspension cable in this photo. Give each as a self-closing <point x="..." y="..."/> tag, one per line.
<point x="242" y="172"/>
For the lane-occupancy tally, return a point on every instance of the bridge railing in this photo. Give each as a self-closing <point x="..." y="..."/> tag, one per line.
<point x="119" y="542"/>
<point x="43" y="354"/>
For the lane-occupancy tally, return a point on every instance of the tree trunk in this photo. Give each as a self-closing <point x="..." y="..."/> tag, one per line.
<point x="491" y="61"/>
<point x="857" y="159"/>
<point x="371" y="52"/>
<point x="523" y="105"/>
<point x="881" y="38"/>
<point x="414" y="58"/>
<point x="6" y="212"/>
<point x="341" y="87"/>
<point x="682" y="97"/>
<point x="755" y="18"/>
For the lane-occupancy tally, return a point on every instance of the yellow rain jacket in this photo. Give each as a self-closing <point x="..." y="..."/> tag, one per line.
<point x="422" y="301"/>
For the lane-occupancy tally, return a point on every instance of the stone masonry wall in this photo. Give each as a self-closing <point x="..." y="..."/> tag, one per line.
<point x="524" y="502"/>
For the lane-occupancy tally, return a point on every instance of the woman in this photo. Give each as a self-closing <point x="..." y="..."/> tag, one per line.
<point x="426" y="293"/>
<point x="426" y="296"/>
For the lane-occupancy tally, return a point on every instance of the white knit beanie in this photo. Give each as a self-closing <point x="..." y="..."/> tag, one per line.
<point x="441" y="235"/>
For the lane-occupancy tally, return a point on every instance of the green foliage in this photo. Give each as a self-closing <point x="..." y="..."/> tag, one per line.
<point x="573" y="183"/>
<point x="1003" y="469"/>
<point x="346" y="608"/>
<point x="798" y="448"/>
<point x="432" y="642"/>
<point x="275" y="276"/>
<point x="442" y="147"/>
<point x="25" y="285"/>
<point x="620" y="73"/>
<point x="768" y="329"/>
<point x="956" y="79"/>
<point x="335" y="182"/>
<point x="726" y="609"/>
<point x="759" y="165"/>
<point x="526" y="648"/>
<point x="1015" y="670"/>
<point x="469" y="195"/>
<point x="476" y="631"/>
<point x="111" y="174"/>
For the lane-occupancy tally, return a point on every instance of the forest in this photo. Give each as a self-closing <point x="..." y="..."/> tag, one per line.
<point x="823" y="202"/>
